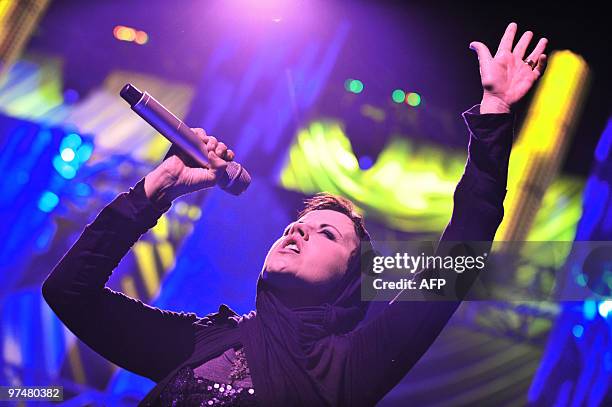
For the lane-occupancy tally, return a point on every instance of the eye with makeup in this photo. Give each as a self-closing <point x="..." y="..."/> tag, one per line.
<point x="329" y="234"/>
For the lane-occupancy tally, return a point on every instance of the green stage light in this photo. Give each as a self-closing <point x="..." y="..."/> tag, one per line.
<point x="347" y="84"/>
<point x="356" y="86"/>
<point x="398" y="96"/>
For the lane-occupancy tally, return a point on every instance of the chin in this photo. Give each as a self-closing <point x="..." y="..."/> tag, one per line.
<point x="281" y="277"/>
<point x="279" y="265"/>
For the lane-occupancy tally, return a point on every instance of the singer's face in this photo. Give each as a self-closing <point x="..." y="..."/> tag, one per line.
<point x="312" y="254"/>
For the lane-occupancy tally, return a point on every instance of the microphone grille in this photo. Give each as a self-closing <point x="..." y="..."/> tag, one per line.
<point x="236" y="179"/>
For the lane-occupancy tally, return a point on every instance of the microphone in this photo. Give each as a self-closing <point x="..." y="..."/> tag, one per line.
<point x="234" y="180"/>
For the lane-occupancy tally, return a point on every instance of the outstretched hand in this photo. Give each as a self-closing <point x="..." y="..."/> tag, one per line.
<point x="508" y="76"/>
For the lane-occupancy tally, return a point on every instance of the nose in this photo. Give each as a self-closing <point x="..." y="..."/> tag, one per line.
<point x="300" y="228"/>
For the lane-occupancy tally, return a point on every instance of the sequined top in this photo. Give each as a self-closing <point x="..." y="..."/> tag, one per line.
<point x="222" y="381"/>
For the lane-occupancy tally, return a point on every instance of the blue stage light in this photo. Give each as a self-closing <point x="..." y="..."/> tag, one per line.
<point x="72" y="141"/>
<point x="66" y="170"/>
<point x="84" y="152"/>
<point x="365" y="162"/>
<point x="578" y="330"/>
<point x="82" y="189"/>
<point x="71" y="96"/>
<point x="48" y="201"/>
<point x="589" y="309"/>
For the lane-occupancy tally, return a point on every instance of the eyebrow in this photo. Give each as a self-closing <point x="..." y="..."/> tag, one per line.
<point x="331" y="226"/>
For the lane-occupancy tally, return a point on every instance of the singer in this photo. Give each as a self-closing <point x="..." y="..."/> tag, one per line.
<point x="303" y="345"/>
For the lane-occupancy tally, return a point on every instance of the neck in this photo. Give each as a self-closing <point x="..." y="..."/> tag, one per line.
<point x="295" y="297"/>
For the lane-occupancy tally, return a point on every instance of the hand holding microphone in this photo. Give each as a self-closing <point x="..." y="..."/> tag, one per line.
<point x="195" y="161"/>
<point x="179" y="174"/>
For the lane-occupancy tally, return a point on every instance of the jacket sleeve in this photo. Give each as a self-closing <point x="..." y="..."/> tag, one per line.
<point x="143" y="339"/>
<point x="383" y="350"/>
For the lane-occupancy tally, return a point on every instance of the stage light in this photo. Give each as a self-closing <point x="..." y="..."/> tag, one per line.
<point x="588" y="310"/>
<point x="365" y="162"/>
<point x="408" y="188"/>
<point x="84" y="152"/>
<point x="356" y="86"/>
<point x="66" y="170"/>
<point x="398" y="96"/>
<point x="541" y="144"/>
<point x="82" y="189"/>
<point x="194" y="212"/>
<point x="123" y="33"/>
<point x="161" y="230"/>
<point x="413" y="99"/>
<point x="582" y="279"/>
<point x="347" y="85"/>
<point x="67" y="154"/>
<point x="129" y="34"/>
<point x="181" y="208"/>
<point x="145" y="258"/>
<point x="48" y="201"/>
<point x="605" y="308"/>
<point x="71" y="96"/>
<point x="72" y="141"/>
<point x="578" y="330"/>
<point x="353" y="85"/>
<point x="141" y="37"/>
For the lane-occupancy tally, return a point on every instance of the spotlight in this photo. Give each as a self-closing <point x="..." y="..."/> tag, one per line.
<point x="398" y="96"/>
<point x="578" y="330"/>
<point x="67" y="154"/>
<point x="129" y="34"/>
<point x="48" y="201"/>
<point x="353" y="85"/>
<point x="413" y="99"/>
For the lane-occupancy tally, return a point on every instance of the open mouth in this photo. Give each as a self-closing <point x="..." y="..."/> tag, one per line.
<point x="291" y="245"/>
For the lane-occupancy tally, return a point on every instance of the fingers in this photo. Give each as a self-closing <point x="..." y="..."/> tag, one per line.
<point x="508" y="38"/>
<point x="204" y="137"/>
<point x="221" y="150"/>
<point x="199" y="132"/>
<point x="216" y="162"/>
<point x="484" y="55"/>
<point x="521" y="46"/>
<point x="538" y="50"/>
<point x="541" y="66"/>
<point x="212" y="144"/>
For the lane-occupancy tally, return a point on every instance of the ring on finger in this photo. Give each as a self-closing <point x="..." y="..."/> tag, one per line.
<point x="531" y="64"/>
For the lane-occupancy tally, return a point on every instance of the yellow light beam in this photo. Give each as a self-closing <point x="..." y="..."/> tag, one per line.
<point x="76" y="364"/>
<point x="146" y="264"/>
<point x="542" y="141"/>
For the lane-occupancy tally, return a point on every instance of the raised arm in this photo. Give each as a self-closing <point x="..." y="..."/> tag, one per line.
<point x="138" y="337"/>
<point x="386" y="348"/>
